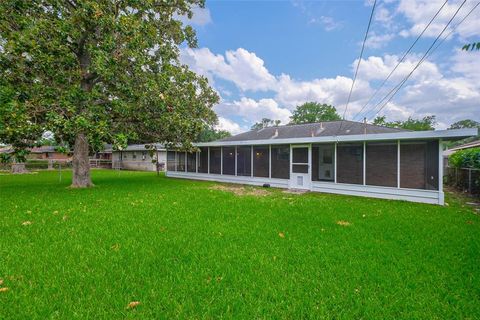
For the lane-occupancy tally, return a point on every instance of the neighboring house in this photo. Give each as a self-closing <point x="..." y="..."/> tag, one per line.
<point x="341" y="157"/>
<point x="447" y="153"/>
<point x="137" y="157"/>
<point x="43" y="153"/>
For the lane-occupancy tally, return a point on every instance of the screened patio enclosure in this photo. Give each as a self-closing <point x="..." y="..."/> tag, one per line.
<point x="406" y="168"/>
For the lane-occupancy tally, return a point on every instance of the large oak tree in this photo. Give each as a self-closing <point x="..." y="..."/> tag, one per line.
<point x="100" y="71"/>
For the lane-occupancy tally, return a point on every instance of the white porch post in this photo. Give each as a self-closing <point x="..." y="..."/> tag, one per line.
<point x="208" y="160"/>
<point x="251" y="161"/>
<point x="398" y="163"/>
<point x="221" y="160"/>
<point x="269" y="161"/>
<point x="441" y="195"/>
<point x="335" y="164"/>
<point x="197" y="157"/>
<point x="176" y="160"/>
<point x="185" y="162"/>
<point x="364" y="162"/>
<point x="235" y="160"/>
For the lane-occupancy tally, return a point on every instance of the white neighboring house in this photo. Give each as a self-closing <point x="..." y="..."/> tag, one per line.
<point x="138" y="157"/>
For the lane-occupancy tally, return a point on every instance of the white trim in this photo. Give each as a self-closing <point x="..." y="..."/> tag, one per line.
<point x="251" y="161"/>
<point x="221" y="160"/>
<point x="185" y="162"/>
<point x="236" y="155"/>
<point x="208" y="159"/>
<point x="270" y="161"/>
<point x="197" y="157"/>
<point x="441" y="198"/>
<point x="415" y="195"/>
<point x="335" y="164"/>
<point x="364" y="163"/>
<point x="176" y="160"/>
<point x="401" y="135"/>
<point x="398" y="163"/>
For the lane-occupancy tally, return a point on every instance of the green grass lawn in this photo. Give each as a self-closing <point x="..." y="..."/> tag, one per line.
<point x="186" y="251"/>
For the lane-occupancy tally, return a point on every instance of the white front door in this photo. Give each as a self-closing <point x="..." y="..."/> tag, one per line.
<point x="300" y="169"/>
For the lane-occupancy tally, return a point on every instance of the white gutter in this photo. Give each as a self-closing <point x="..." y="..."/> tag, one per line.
<point x="406" y="135"/>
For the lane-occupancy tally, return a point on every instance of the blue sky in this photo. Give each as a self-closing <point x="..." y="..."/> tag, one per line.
<point x="266" y="57"/>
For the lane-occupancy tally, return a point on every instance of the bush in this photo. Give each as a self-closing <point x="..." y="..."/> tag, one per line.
<point x="468" y="158"/>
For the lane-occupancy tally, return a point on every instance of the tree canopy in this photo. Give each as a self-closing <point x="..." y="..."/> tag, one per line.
<point x="211" y="134"/>
<point x="266" y="123"/>
<point x="311" y="112"/>
<point x="426" y="123"/>
<point x="467" y="123"/>
<point x="95" y="72"/>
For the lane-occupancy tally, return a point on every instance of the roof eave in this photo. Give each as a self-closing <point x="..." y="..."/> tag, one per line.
<point x="403" y="135"/>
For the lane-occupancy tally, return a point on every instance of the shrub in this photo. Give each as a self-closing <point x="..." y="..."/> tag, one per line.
<point x="468" y="158"/>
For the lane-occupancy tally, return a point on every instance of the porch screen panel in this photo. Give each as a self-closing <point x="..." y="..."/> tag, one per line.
<point x="281" y="161"/>
<point x="229" y="160"/>
<point x="203" y="160"/>
<point x="181" y="161"/>
<point x="192" y="162"/>
<point x="381" y="164"/>
<point x="419" y="165"/>
<point x="260" y="161"/>
<point x="215" y="160"/>
<point x="171" y="160"/>
<point x="244" y="161"/>
<point x="350" y="163"/>
<point x="323" y="162"/>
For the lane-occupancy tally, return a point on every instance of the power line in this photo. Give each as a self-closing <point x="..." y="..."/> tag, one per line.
<point x="400" y="61"/>
<point x="358" y="64"/>
<point x="400" y="85"/>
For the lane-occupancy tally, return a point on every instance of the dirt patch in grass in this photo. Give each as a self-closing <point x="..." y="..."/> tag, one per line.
<point x="241" y="190"/>
<point x="343" y="223"/>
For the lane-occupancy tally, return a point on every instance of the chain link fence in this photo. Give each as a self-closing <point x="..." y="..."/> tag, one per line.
<point x="464" y="179"/>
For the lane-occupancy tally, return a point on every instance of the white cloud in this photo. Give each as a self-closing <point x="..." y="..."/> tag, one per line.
<point x="328" y="23"/>
<point x="377" y="41"/>
<point x="241" y="67"/>
<point x="251" y="110"/>
<point x="419" y="13"/>
<point x="230" y="126"/>
<point x="451" y="94"/>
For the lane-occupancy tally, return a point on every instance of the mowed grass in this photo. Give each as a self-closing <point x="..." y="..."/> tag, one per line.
<point x="186" y="251"/>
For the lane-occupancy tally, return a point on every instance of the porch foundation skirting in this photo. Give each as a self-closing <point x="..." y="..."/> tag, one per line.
<point x="415" y="195"/>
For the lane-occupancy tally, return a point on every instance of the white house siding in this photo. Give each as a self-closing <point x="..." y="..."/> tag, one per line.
<point x="138" y="160"/>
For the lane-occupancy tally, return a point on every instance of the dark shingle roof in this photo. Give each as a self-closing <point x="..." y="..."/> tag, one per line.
<point x="329" y="128"/>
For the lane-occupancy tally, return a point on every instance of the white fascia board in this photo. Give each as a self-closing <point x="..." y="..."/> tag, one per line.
<point x="406" y="135"/>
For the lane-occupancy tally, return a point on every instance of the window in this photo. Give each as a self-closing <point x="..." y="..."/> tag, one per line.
<point x="170" y="160"/>
<point x="215" y="159"/>
<point x="203" y="160"/>
<point x="134" y="156"/>
<point x="144" y="155"/>
<point x="323" y="162"/>
<point x="350" y="163"/>
<point x="192" y="162"/>
<point x="260" y="161"/>
<point x="419" y="165"/>
<point x="381" y="164"/>
<point x="229" y="160"/>
<point x="244" y="161"/>
<point x="280" y="161"/>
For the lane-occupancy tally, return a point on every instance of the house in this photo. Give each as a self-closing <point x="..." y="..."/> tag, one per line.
<point x="447" y="153"/>
<point x="341" y="157"/>
<point x="138" y="157"/>
<point x="43" y="153"/>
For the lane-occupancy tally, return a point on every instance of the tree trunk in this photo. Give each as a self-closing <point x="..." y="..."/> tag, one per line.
<point x="19" y="167"/>
<point x="81" y="166"/>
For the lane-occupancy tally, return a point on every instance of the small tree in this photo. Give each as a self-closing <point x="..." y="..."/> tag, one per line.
<point x="93" y="72"/>
<point x="311" y="112"/>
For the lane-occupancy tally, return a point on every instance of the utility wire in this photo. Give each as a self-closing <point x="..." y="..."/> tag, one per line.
<point x="400" y="61"/>
<point x="358" y="64"/>
<point x="400" y="85"/>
